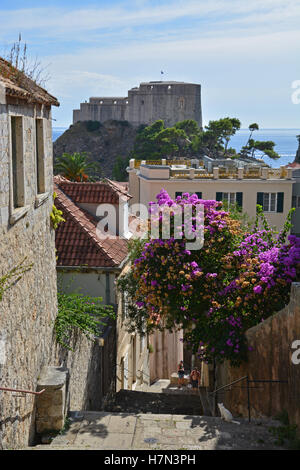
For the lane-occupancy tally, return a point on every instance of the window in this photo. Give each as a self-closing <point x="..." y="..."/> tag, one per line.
<point x="40" y="156"/>
<point x="271" y="202"/>
<point x="18" y="186"/>
<point x="230" y="198"/>
<point x="296" y="201"/>
<point x="181" y="102"/>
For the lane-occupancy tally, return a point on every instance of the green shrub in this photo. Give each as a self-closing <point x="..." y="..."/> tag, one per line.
<point x="80" y="312"/>
<point x="92" y="126"/>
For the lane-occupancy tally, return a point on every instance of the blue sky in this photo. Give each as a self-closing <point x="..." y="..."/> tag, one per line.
<point x="244" y="53"/>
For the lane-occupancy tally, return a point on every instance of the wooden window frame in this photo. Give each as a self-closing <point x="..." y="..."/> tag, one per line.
<point x="40" y="156"/>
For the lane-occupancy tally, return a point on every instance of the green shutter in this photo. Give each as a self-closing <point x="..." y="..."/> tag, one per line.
<point x="260" y="199"/>
<point x="178" y="193"/>
<point x="199" y="194"/>
<point x="280" y="199"/>
<point x="239" y="199"/>
<point x="219" y="196"/>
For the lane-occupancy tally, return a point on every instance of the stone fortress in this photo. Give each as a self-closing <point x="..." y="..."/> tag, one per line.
<point x="167" y="100"/>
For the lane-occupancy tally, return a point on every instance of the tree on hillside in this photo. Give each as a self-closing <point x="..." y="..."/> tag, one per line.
<point x="186" y="139"/>
<point x="297" y="157"/>
<point x="253" y="127"/>
<point x="119" y="172"/>
<point x="145" y="146"/>
<point x="214" y="139"/>
<point x="189" y="126"/>
<point x="266" y="147"/>
<point x="157" y="141"/>
<point x="76" y="167"/>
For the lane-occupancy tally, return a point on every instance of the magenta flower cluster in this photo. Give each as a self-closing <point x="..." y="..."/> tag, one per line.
<point x="234" y="282"/>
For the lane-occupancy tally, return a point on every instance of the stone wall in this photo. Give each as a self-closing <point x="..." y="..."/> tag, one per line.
<point x="170" y="101"/>
<point x="29" y="307"/>
<point x="51" y="403"/>
<point x="91" y="370"/>
<point x="132" y="365"/>
<point x="270" y="359"/>
<point x="167" y="353"/>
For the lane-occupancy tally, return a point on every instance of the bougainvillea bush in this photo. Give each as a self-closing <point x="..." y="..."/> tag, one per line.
<point x="235" y="281"/>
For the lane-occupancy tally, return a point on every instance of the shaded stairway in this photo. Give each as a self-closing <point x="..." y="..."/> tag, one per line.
<point x="132" y="401"/>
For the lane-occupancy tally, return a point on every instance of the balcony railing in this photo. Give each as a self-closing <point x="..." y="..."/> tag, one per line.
<point x="187" y="163"/>
<point x="182" y="169"/>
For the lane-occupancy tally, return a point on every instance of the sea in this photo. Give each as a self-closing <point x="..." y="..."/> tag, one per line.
<point x="285" y="140"/>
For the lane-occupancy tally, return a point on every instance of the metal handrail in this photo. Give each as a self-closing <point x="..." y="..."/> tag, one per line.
<point x="138" y="370"/>
<point x="4" y="389"/>
<point x="228" y="385"/>
<point x="246" y="377"/>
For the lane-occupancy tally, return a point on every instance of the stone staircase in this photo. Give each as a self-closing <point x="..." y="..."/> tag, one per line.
<point x="88" y="430"/>
<point x="133" y="401"/>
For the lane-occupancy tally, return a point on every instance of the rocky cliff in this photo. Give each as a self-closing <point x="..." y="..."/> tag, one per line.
<point x="103" y="142"/>
<point x="297" y="157"/>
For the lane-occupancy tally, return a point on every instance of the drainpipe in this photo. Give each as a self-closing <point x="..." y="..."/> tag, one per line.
<point x="107" y="289"/>
<point x="193" y="355"/>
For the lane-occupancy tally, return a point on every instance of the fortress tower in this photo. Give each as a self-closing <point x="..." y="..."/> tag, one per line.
<point x="170" y="101"/>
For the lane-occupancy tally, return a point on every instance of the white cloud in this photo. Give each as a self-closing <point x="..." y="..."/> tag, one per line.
<point x="63" y="21"/>
<point x="68" y="84"/>
<point x="239" y="48"/>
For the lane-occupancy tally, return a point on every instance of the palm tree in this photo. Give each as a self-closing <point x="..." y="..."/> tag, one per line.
<point x="76" y="167"/>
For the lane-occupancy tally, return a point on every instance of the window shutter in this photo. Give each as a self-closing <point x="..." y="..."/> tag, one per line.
<point x="260" y="199"/>
<point x="199" y="194"/>
<point x="178" y="193"/>
<point x="280" y="198"/>
<point x="219" y="196"/>
<point x="239" y="199"/>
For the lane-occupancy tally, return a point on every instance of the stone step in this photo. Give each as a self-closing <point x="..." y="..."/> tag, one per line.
<point x="144" y="402"/>
<point x="90" y="430"/>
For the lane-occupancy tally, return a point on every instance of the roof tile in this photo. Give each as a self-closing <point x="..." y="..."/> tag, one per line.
<point x="76" y="239"/>
<point x="17" y="84"/>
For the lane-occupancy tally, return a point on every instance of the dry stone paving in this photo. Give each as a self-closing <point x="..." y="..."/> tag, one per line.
<point x="127" y="431"/>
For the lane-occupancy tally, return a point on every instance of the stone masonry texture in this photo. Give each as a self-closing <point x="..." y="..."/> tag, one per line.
<point x="28" y="308"/>
<point x="170" y="101"/>
<point x="271" y="359"/>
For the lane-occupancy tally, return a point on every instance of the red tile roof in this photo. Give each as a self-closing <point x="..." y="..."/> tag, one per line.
<point x="18" y="85"/>
<point x="77" y="240"/>
<point x="94" y="193"/>
<point x="293" y="165"/>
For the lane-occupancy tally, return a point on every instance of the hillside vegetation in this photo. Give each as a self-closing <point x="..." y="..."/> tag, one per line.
<point x="103" y="143"/>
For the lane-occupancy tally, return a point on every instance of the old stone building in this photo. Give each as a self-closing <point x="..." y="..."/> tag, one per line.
<point x="28" y="308"/>
<point x="167" y="100"/>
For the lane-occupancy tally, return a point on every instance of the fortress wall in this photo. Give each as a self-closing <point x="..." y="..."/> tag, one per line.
<point x="170" y="101"/>
<point x="96" y="111"/>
